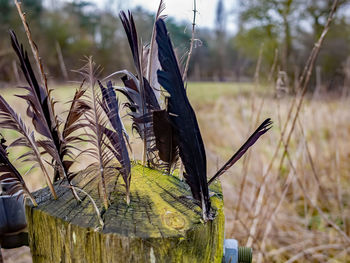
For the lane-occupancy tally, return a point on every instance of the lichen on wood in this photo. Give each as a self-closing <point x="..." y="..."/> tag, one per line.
<point x="161" y="224"/>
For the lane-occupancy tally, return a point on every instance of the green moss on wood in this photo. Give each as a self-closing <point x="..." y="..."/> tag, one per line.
<point x="161" y="224"/>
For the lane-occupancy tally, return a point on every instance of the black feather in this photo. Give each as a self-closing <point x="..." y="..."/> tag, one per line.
<point x="183" y="119"/>
<point x="131" y="33"/>
<point x="262" y="129"/>
<point x="166" y="140"/>
<point x="141" y="96"/>
<point x="150" y="97"/>
<point x="137" y="106"/>
<point x="45" y="104"/>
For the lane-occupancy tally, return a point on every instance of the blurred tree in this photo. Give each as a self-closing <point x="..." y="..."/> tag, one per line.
<point x="81" y="29"/>
<point x="250" y="41"/>
<point x="292" y="26"/>
<point x="333" y="54"/>
<point x="268" y="14"/>
<point x="220" y="30"/>
<point x="317" y="11"/>
<point x="34" y="9"/>
<point x="6" y="12"/>
<point x="6" y="18"/>
<point x="335" y="49"/>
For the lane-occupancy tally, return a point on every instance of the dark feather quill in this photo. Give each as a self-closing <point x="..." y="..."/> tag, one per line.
<point x="72" y="124"/>
<point x="131" y="33"/>
<point x="77" y="109"/>
<point x="262" y="129"/>
<point x="141" y="96"/>
<point x="111" y="108"/>
<point x="41" y="110"/>
<point x="148" y="98"/>
<point x="38" y="98"/>
<point x="9" y="119"/>
<point x="102" y="138"/>
<point x="183" y="119"/>
<point x="140" y="110"/>
<point x="9" y="174"/>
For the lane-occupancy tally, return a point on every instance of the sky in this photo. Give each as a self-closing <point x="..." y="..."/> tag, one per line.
<point x="181" y="10"/>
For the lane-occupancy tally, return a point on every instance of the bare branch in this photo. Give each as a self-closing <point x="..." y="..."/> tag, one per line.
<point x="184" y="76"/>
<point x="32" y="45"/>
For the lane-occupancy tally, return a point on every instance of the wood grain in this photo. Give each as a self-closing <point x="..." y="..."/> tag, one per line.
<point x="161" y="224"/>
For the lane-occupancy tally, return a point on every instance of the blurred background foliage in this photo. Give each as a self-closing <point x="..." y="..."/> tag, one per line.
<point x="283" y="223"/>
<point x="286" y="28"/>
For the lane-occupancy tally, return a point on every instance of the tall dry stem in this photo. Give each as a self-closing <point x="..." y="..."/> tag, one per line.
<point x="184" y="75"/>
<point x="307" y="74"/>
<point x="304" y="81"/>
<point x="33" y="46"/>
<point x="313" y="204"/>
<point x="246" y="158"/>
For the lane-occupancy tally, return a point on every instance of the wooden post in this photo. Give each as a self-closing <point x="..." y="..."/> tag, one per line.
<point x="162" y="224"/>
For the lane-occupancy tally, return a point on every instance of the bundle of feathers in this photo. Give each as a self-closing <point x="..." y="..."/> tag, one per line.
<point x="157" y="104"/>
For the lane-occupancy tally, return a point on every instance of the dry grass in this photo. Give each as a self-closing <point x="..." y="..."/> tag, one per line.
<point x="304" y="211"/>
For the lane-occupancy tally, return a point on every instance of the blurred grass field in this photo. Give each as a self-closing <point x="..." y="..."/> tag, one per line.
<point x="304" y="212"/>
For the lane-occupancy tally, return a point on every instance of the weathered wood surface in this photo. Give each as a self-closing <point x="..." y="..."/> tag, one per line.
<point x="161" y="224"/>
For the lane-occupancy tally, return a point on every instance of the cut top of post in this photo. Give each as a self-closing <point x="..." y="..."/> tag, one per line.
<point x="161" y="205"/>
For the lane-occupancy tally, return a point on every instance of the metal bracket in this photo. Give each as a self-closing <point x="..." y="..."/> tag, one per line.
<point x="235" y="254"/>
<point x="230" y="251"/>
<point x="14" y="241"/>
